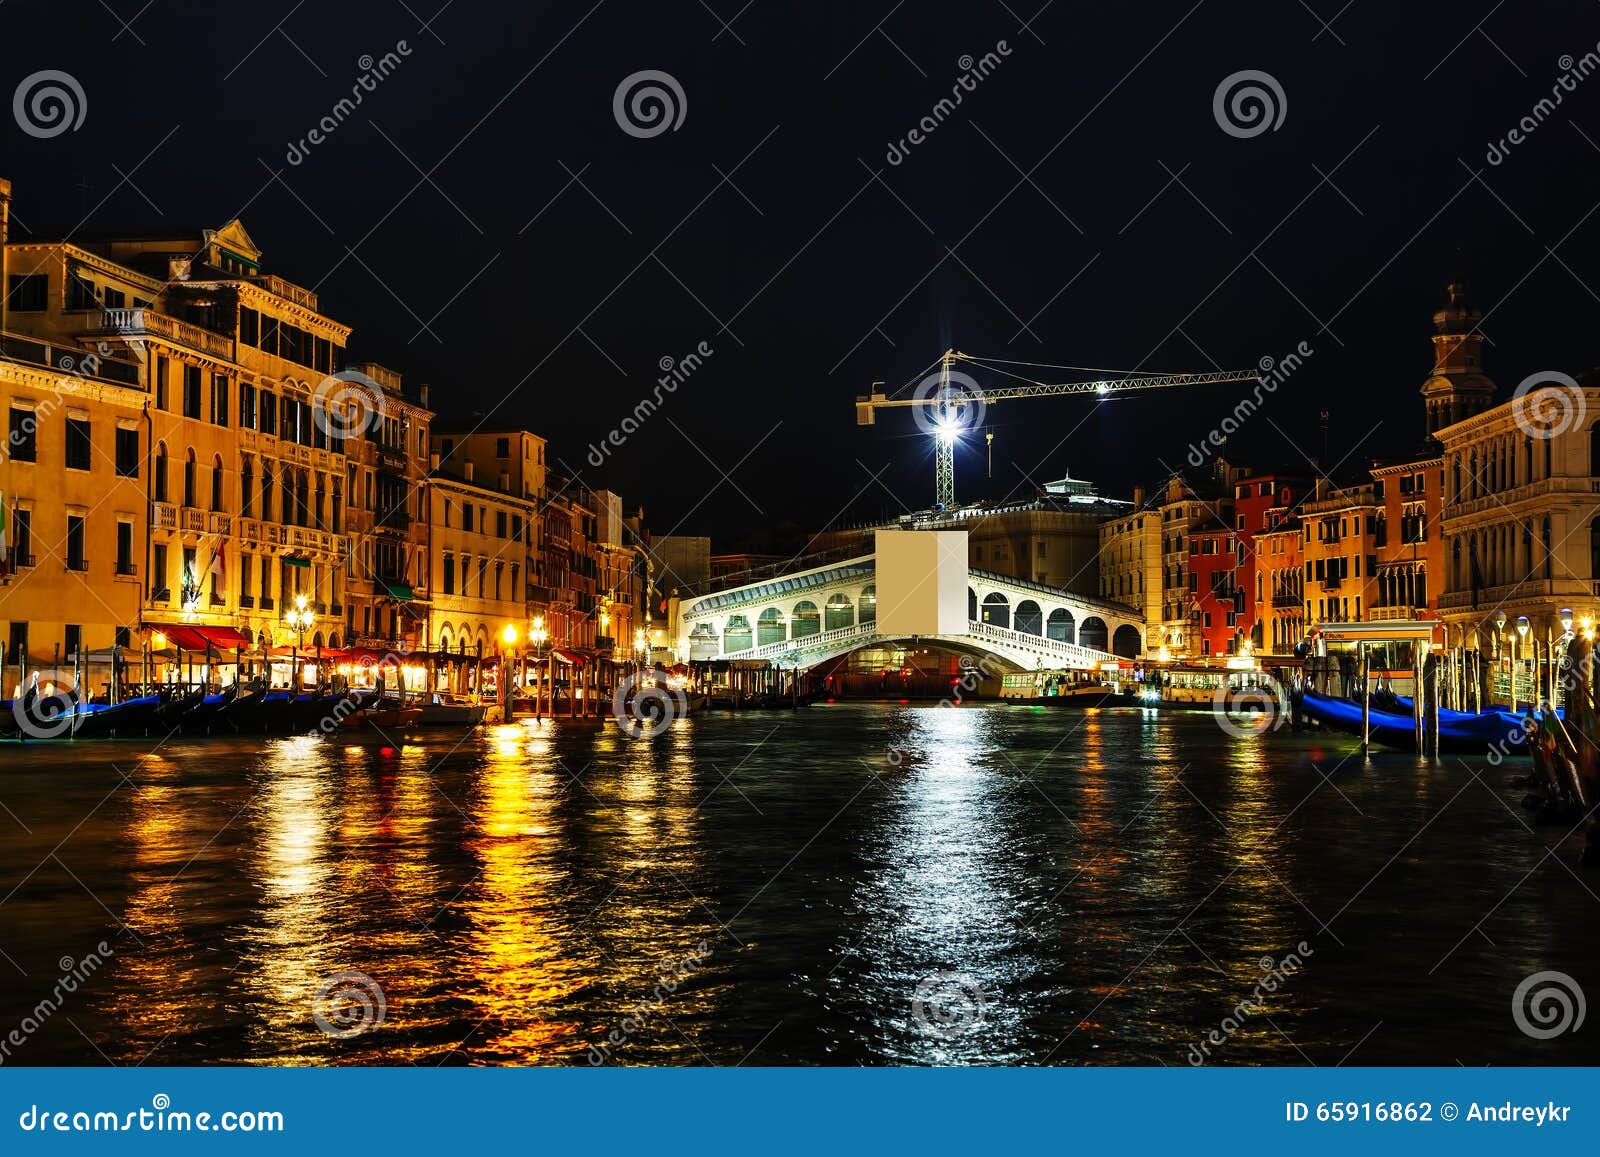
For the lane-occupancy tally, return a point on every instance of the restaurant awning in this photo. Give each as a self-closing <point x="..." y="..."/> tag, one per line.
<point x="576" y="658"/>
<point x="401" y="591"/>
<point x="190" y="637"/>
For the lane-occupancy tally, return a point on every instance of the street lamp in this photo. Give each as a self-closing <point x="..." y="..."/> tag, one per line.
<point x="508" y="643"/>
<point x="536" y="636"/>
<point x="300" y="618"/>
<point x="1522" y="634"/>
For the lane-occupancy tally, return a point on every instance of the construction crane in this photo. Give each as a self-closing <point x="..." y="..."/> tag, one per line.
<point x="950" y="401"/>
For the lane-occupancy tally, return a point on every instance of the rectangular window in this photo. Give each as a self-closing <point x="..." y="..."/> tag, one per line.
<point x="159" y="591"/>
<point x="466" y="515"/>
<point x="75" y="559"/>
<point x="158" y="381"/>
<point x="247" y="406"/>
<point x="269" y="334"/>
<point x="115" y="299"/>
<point x="499" y="524"/>
<point x="267" y="411"/>
<point x="78" y="451"/>
<point x="449" y="574"/>
<point x="127" y="453"/>
<point x="71" y="639"/>
<point x="24" y="440"/>
<point x="249" y="327"/>
<point x="502" y="447"/>
<point x="193" y="387"/>
<point x="219" y="399"/>
<point x="26" y="293"/>
<point x="80" y="293"/>
<point x="125" y="548"/>
<point x="22" y="537"/>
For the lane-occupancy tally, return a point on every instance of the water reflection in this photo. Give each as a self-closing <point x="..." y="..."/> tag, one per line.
<point x="1105" y="882"/>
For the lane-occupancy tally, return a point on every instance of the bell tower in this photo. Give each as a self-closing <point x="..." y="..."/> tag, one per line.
<point x="1458" y="388"/>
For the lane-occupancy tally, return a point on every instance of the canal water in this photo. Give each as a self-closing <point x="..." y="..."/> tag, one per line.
<point x="851" y="884"/>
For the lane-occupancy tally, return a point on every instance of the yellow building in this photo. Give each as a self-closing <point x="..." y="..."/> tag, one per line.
<point x="480" y="559"/>
<point x="1130" y="561"/>
<point x="1338" y="553"/>
<point x="72" y="486"/>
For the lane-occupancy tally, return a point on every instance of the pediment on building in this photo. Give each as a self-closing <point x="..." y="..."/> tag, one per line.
<point x="234" y="238"/>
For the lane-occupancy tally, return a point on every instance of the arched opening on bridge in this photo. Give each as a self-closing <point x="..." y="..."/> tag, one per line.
<point x="1093" y="633"/>
<point x="972" y="605"/>
<point x="736" y="635"/>
<point x="805" y="621"/>
<point x="1060" y="626"/>
<point x="867" y="608"/>
<point x="838" y="613"/>
<point x="996" y="610"/>
<point x="1126" y="642"/>
<point x="1030" y="620"/>
<point x="769" y="627"/>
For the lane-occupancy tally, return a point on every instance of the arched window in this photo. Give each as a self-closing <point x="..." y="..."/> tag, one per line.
<point x="1060" y="626"/>
<point x="769" y="627"/>
<point x="996" y="610"/>
<point x="972" y="605"/>
<point x="805" y="621"/>
<point x="188" y="478"/>
<point x="1126" y="642"/>
<point x="161" y="472"/>
<point x="867" y="606"/>
<point x="216" y="482"/>
<point x="838" y="613"/>
<point x="247" y="487"/>
<point x="1030" y="620"/>
<point x="1093" y="633"/>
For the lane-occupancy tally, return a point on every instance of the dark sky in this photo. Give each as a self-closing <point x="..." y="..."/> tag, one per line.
<point x="818" y="266"/>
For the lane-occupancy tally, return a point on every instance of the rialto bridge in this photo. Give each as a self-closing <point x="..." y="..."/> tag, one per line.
<point x="916" y="587"/>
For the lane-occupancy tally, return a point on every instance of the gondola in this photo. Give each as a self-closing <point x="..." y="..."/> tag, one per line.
<point x="1461" y="733"/>
<point x="206" y="716"/>
<point x="132" y="717"/>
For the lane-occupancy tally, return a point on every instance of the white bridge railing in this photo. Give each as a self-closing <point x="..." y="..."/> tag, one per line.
<point x="1045" y="648"/>
<point x="842" y="639"/>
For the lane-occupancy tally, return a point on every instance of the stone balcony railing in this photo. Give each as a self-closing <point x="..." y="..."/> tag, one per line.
<point x="1502" y="499"/>
<point x="149" y="323"/>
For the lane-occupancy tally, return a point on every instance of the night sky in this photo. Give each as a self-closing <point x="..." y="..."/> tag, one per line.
<point x="518" y="250"/>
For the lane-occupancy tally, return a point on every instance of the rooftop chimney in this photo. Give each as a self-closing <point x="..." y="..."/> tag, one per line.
<point x="467" y="470"/>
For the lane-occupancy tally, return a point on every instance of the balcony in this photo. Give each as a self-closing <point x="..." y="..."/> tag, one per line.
<point x="68" y="359"/>
<point x="81" y="565"/>
<point x="246" y="602"/>
<point x="166" y="516"/>
<point x="220" y="523"/>
<point x="127" y="570"/>
<point x="265" y="603"/>
<point x="1287" y="599"/>
<point x="287" y="290"/>
<point x="143" y="323"/>
<point x="193" y="519"/>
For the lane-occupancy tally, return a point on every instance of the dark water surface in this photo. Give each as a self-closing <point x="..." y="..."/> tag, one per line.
<point x="1065" y="887"/>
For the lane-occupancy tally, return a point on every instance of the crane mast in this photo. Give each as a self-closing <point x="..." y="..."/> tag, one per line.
<point x="944" y="402"/>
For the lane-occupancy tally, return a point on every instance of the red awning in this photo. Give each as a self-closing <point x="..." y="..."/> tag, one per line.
<point x="190" y="637"/>
<point x="573" y="657"/>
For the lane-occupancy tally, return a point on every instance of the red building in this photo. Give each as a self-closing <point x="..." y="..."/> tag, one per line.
<point x="1261" y="503"/>
<point x="1215" y="601"/>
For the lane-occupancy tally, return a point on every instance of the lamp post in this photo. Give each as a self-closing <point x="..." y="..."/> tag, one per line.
<point x="1522" y="634"/>
<point x="300" y="618"/>
<point x="508" y="646"/>
<point x="641" y="646"/>
<point x="1555" y="666"/>
<point x="1499" y="631"/>
<point x="537" y="635"/>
